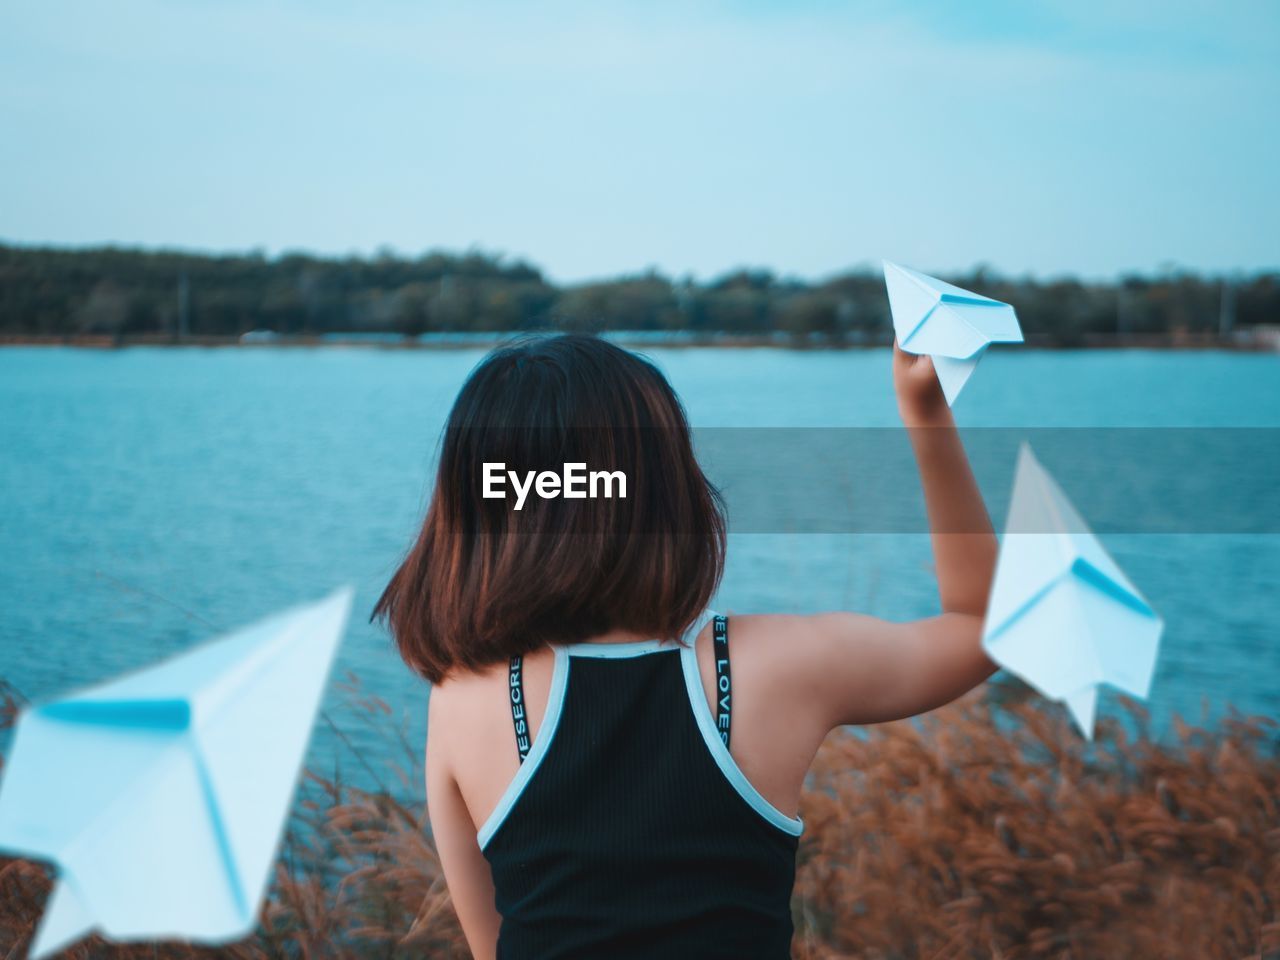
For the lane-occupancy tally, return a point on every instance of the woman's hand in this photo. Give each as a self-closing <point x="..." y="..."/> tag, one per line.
<point x="921" y="402"/>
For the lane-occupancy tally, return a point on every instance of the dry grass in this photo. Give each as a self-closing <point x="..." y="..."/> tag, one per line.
<point x="988" y="829"/>
<point x="993" y="830"/>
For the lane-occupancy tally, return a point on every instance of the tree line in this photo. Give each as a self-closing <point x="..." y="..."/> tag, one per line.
<point x="123" y="293"/>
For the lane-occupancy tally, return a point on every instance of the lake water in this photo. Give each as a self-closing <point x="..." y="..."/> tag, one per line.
<point x="151" y="497"/>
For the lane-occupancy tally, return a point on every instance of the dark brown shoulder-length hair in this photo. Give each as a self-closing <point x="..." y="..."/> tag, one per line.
<point x="485" y="581"/>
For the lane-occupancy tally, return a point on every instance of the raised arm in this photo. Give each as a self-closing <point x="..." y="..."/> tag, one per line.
<point x="849" y="668"/>
<point x="964" y="545"/>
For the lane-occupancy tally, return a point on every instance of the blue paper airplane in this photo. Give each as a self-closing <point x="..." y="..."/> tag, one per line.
<point x="952" y="325"/>
<point x="161" y="796"/>
<point x="1061" y="614"/>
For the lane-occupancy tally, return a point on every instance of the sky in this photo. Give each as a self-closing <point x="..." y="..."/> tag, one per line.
<point x="599" y="139"/>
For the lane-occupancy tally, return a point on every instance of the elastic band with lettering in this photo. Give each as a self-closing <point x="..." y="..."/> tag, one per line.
<point x="724" y="685"/>
<point x="518" y="717"/>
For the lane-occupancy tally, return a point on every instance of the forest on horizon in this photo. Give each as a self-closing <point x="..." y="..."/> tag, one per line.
<point x="124" y="293"/>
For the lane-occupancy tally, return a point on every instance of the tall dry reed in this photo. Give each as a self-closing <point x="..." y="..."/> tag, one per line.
<point x="988" y="829"/>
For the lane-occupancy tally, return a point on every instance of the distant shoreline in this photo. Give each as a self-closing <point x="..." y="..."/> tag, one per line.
<point x="1261" y="341"/>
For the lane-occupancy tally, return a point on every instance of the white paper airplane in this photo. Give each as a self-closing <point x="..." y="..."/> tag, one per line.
<point x="1061" y="614"/>
<point x="952" y="325"/>
<point x="161" y="796"/>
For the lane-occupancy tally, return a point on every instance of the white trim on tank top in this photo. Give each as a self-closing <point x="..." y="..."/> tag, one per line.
<point x="631" y="648"/>
<point x="719" y="752"/>
<point x="697" y="702"/>
<point x="634" y="648"/>
<point x="537" y="750"/>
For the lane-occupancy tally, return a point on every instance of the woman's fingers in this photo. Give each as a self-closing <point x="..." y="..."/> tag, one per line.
<point x="901" y="359"/>
<point x="911" y="364"/>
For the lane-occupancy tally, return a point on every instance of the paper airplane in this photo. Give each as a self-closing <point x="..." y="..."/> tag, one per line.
<point x="952" y="325"/>
<point x="161" y="796"/>
<point x="1062" y="615"/>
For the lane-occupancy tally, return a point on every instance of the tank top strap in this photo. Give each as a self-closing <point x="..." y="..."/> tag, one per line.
<point x="722" y="720"/>
<point x="724" y="683"/>
<point x="519" y="716"/>
<point x="714" y="724"/>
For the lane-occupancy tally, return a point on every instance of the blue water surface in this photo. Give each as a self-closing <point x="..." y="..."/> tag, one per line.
<point x="150" y="498"/>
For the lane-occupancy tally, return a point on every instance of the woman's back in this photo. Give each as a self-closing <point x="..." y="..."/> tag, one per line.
<point x="623" y="834"/>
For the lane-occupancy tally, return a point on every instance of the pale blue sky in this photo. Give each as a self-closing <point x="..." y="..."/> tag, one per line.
<point x="596" y="139"/>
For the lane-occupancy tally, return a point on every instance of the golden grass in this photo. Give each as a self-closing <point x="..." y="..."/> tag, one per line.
<point x="988" y="829"/>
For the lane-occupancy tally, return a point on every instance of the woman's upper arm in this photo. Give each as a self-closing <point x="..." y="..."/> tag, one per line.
<point x="855" y="669"/>
<point x="466" y="871"/>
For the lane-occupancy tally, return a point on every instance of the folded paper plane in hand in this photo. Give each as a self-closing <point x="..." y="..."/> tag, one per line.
<point x="1062" y="616"/>
<point x="952" y="325"/>
<point x="161" y="796"/>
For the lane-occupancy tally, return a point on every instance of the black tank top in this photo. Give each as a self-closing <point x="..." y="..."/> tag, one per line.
<point x="629" y="830"/>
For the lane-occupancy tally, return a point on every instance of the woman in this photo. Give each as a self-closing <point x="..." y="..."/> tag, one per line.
<point x="614" y="770"/>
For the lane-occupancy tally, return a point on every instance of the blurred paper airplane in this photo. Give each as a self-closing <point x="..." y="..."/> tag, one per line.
<point x="161" y="796"/>
<point x="1062" y="615"/>
<point x="952" y="325"/>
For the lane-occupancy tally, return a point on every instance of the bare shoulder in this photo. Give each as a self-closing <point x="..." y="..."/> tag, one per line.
<point x="462" y="699"/>
<point x="784" y="698"/>
<point x="852" y="668"/>
<point x="469" y="715"/>
<point x="816" y="664"/>
<point x="783" y="656"/>
<point x="797" y="643"/>
<point x="464" y="693"/>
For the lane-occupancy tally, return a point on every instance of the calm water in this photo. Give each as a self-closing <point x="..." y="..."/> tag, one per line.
<point x="150" y="497"/>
